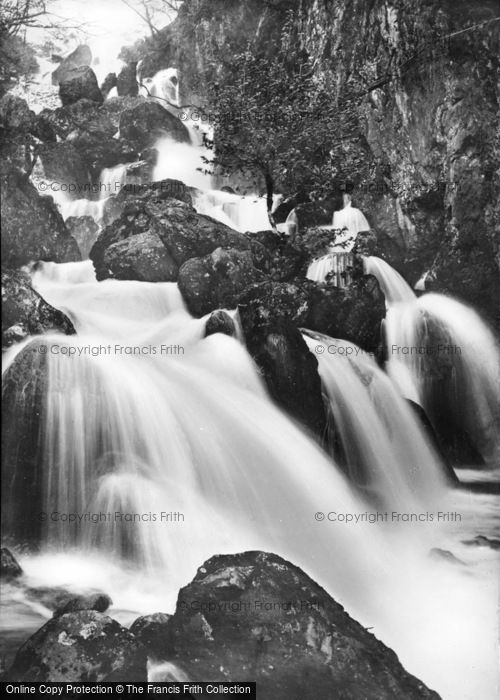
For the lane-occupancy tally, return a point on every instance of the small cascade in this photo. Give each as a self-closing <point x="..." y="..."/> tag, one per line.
<point x="374" y="431"/>
<point x="442" y="355"/>
<point x="243" y="213"/>
<point x="394" y="287"/>
<point x="112" y="180"/>
<point x="182" y="161"/>
<point x="164" y="87"/>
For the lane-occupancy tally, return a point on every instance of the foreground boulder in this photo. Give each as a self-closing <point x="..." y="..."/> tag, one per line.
<point x="144" y="124"/>
<point x="81" y="56"/>
<point x="216" y="280"/>
<point x="32" y="227"/>
<point x="82" y="646"/>
<point x="25" y="312"/>
<point x="150" y="631"/>
<point x="263" y="619"/>
<point x="142" y="257"/>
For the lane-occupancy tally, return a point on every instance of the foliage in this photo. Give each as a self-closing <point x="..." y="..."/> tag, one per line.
<point x="280" y="118"/>
<point x="17" y="60"/>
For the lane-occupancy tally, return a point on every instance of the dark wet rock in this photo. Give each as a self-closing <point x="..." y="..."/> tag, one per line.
<point x="83" y="117"/>
<point x="81" y="646"/>
<point x="354" y="313"/>
<point x="126" y="82"/>
<point x="24" y="391"/>
<point x="79" y="83"/>
<point x="144" y="124"/>
<point x="150" y="631"/>
<point x="157" y="209"/>
<point x="15" y="115"/>
<point x="9" y="568"/>
<point x="25" y="312"/>
<point x="216" y="280"/>
<point x="261" y="256"/>
<point x="81" y="56"/>
<point x="270" y="315"/>
<point x="269" y="239"/>
<point x="99" y="602"/>
<point x="32" y="227"/>
<point x="109" y="82"/>
<point x="220" y="322"/>
<point x="84" y="230"/>
<point x="265" y="620"/>
<point x="140" y="257"/>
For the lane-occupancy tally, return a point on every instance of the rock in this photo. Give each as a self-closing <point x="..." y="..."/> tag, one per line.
<point x="63" y="163"/>
<point x="265" y="620"/>
<point x="83" y="117"/>
<point x="9" y="568"/>
<point x="84" y="230"/>
<point x="482" y="541"/>
<point x="97" y="601"/>
<point x="82" y="646"/>
<point x="79" y="83"/>
<point x="24" y="394"/>
<point x="126" y="82"/>
<point x="109" y="82"/>
<point x="150" y="631"/>
<point x="220" y="322"/>
<point x="270" y="315"/>
<point x="136" y="196"/>
<point x="444" y="555"/>
<point x="144" y="124"/>
<point x="32" y="227"/>
<point x="158" y="209"/>
<point x="141" y="257"/>
<point x="354" y="313"/>
<point x="26" y="311"/>
<point x="216" y="280"/>
<point x="81" y="56"/>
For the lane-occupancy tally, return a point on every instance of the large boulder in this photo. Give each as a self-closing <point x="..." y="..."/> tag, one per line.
<point x="84" y="646"/>
<point x="83" y="116"/>
<point x="256" y="617"/>
<point x="9" y="567"/>
<point x="81" y="56"/>
<point x="63" y="163"/>
<point x="184" y="233"/>
<point x="79" y="83"/>
<point x="150" y="631"/>
<point x="216" y="280"/>
<point x="32" y="227"/>
<point x="144" y="124"/>
<point x="354" y="313"/>
<point x="141" y="257"/>
<point x="25" y="312"/>
<point x="270" y="315"/>
<point x="95" y="601"/>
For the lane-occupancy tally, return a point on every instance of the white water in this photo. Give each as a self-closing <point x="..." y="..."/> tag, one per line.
<point x="442" y="355"/>
<point x="243" y="213"/>
<point x="385" y="449"/>
<point x="196" y="433"/>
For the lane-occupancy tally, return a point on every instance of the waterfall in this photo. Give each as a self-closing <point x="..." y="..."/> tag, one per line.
<point x="380" y="440"/>
<point x="442" y="355"/>
<point x="243" y="213"/>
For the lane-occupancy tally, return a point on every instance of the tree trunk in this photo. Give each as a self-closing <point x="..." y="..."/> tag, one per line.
<point x="269" y="198"/>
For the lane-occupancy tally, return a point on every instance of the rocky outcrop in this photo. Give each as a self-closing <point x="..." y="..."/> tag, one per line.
<point x="81" y="646"/>
<point x="220" y="322"/>
<point x="216" y="280"/>
<point x="136" y="197"/>
<point x="32" y="227"/>
<point x="126" y="82"/>
<point x="256" y="617"/>
<point x="25" y="312"/>
<point x="157" y="210"/>
<point x="79" y="83"/>
<point x="145" y="124"/>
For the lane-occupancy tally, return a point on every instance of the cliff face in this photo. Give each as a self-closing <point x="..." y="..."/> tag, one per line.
<point x="429" y="113"/>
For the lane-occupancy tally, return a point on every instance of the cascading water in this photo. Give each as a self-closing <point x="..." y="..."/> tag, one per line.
<point x="443" y="356"/>
<point x="376" y="430"/>
<point x="194" y="433"/>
